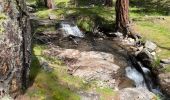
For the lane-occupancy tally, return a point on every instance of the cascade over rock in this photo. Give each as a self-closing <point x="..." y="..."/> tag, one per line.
<point x="15" y="47"/>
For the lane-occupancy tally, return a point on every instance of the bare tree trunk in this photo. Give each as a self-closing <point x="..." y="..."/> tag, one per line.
<point x="122" y="16"/>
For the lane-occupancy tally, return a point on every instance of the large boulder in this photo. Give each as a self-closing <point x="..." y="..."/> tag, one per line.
<point x="15" y="47"/>
<point x="135" y="94"/>
<point x="150" y="46"/>
<point x="165" y="61"/>
<point x="145" y="57"/>
<point x="89" y="65"/>
<point x="165" y="82"/>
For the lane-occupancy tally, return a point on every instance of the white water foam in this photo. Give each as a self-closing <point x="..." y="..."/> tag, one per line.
<point x="72" y="30"/>
<point x="137" y="77"/>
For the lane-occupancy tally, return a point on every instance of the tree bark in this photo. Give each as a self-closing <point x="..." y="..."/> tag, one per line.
<point x="122" y="16"/>
<point x="15" y="47"/>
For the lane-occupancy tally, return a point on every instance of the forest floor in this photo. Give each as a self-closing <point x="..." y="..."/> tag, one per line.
<point x="59" y="85"/>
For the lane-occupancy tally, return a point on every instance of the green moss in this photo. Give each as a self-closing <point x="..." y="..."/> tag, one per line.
<point x="106" y="93"/>
<point x="62" y="3"/>
<point x="156" y="63"/>
<point x="43" y="13"/>
<point x="37" y="49"/>
<point x="31" y="2"/>
<point x="44" y="28"/>
<point x="86" y="23"/>
<point x="48" y="86"/>
<point x="167" y="68"/>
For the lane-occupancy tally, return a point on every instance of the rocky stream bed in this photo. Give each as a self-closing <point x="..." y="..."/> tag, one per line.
<point x="123" y="64"/>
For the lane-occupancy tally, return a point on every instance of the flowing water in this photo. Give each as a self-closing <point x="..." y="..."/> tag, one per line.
<point x="133" y="74"/>
<point x="70" y="29"/>
<point x="137" y="77"/>
<point x="141" y="79"/>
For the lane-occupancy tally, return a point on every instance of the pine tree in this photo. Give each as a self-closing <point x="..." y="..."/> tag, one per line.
<point x="122" y="16"/>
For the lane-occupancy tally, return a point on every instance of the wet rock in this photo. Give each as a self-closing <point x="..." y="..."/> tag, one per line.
<point x="126" y="83"/>
<point x="165" y="61"/>
<point x="165" y="82"/>
<point x="116" y="34"/>
<point x="139" y="49"/>
<point x="135" y="94"/>
<point x="150" y="46"/>
<point x="145" y="57"/>
<point x="129" y="41"/>
<point x="153" y="54"/>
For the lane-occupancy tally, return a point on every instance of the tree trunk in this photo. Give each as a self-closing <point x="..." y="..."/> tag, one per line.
<point x="108" y="3"/>
<point x="15" y="47"/>
<point x="122" y="16"/>
<point x="49" y="4"/>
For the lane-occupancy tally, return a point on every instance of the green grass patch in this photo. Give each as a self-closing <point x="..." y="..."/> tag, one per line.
<point x="54" y="85"/>
<point x="158" y="33"/>
<point x="86" y="18"/>
<point x="106" y="93"/>
<point x="62" y="3"/>
<point x="44" y="29"/>
<point x="58" y="84"/>
<point x="31" y="2"/>
<point x="156" y="30"/>
<point x="48" y="86"/>
<point x="167" y="68"/>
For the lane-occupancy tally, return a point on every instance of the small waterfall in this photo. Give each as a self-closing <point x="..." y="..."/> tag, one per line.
<point x="70" y="29"/>
<point x="136" y="76"/>
<point x="141" y="80"/>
